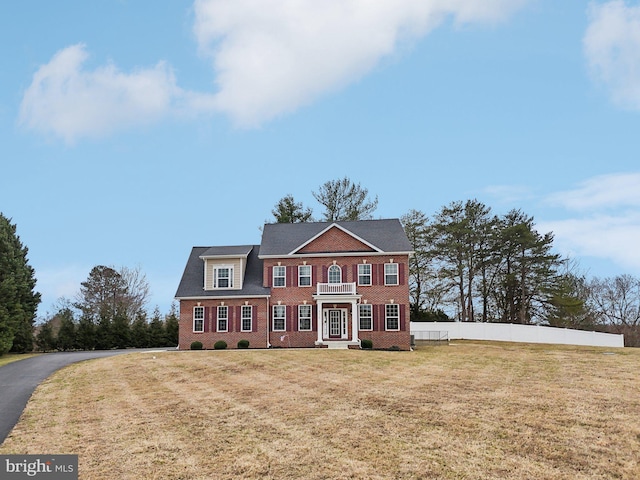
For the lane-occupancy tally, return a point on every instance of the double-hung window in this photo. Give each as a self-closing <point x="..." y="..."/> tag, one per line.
<point x="198" y="319"/>
<point x="392" y="316"/>
<point x="364" y="274"/>
<point x="279" y="318"/>
<point x="223" y="277"/>
<point x="304" y="275"/>
<point x="304" y="317"/>
<point x="366" y="316"/>
<point x="279" y="276"/>
<point x="391" y="274"/>
<point x="223" y="318"/>
<point x="247" y="318"/>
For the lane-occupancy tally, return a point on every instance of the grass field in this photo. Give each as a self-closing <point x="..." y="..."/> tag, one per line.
<point x="463" y="411"/>
<point x="14" y="357"/>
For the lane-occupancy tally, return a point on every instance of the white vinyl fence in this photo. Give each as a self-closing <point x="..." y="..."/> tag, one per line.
<point x="508" y="332"/>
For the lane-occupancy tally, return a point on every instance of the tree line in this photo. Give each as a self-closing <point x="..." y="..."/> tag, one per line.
<point x="108" y="312"/>
<point x="469" y="265"/>
<point x="473" y="266"/>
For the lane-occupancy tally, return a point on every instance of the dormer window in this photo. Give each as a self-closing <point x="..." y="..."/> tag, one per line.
<point x="223" y="276"/>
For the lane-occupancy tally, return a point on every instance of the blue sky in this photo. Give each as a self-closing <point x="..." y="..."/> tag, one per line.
<point x="131" y="131"/>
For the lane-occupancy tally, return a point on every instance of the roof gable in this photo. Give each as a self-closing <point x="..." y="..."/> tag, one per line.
<point x="284" y="239"/>
<point x="334" y="239"/>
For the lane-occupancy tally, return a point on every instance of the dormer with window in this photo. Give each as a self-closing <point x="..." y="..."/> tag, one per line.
<point x="224" y="267"/>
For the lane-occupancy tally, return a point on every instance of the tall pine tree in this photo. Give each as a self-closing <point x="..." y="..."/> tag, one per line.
<point x="18" y="299"/>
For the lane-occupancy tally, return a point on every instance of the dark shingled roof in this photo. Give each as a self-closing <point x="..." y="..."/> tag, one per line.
<point x="280" y="239"/>
<point x="235" y="250"/>
<point x="192" y="282"/>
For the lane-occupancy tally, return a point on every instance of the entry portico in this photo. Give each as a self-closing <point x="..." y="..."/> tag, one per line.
<point x="333" y="303"/>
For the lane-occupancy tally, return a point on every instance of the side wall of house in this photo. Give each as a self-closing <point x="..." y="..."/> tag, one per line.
<point x="257" y="337"/>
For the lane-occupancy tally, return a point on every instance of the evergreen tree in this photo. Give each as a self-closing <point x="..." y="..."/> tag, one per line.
<point x="528" y="270"/>
<point x="18" y="300"/>
<point x="427" y="290"/>
<point x="156" y="330"/>
<point x="287" y="210"/>
<point x="86" y="334"/>
<point x="458" y="239"/>
<point x="140" y="331"/>
<point x="100" y="294"/>
<point x="45" y="340"/>
<point x="104" y="338"/>
<point x="171" y="325"/>
<point x="67" y="334"/>
<point x="120" y="331"/>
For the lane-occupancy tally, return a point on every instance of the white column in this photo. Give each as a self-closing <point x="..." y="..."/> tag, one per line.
<point x="355" y="321"/>
<point x="320" y="319"/>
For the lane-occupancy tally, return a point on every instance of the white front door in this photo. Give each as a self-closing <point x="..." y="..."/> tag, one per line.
<point x="335" y="323"/>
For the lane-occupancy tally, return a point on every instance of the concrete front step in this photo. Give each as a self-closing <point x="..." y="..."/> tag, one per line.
<point x="340" y="344"/>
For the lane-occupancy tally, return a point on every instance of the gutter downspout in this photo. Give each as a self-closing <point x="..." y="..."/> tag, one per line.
<point x="268" y="321"/>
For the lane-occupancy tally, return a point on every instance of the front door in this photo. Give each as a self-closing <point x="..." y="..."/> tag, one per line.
<point x="335" y="323"/>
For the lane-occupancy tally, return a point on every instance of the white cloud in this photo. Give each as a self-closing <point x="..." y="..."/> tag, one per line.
<point x="69" y="102"/>
<point x="612" y="237"/>
<point x="601" y="192"/>
<point x="269" y="57"/>
<point x="274" y="56"/>
<point x="604" y="223"/>
<point x="612" y="48"/>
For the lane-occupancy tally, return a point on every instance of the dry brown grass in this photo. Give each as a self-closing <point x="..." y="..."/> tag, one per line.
<point x="14" y="357"/>
<point x="465" y="411"/>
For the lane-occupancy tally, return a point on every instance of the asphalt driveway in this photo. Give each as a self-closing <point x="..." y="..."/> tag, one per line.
<point x="19" y="379"/>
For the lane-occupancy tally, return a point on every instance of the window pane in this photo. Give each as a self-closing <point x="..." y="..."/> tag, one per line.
<point x="304" y="275"/>
<point x="198" y="319"/>
<point x="392" y="317"/>
<point x="246" y="318"/>
<point x="279" y="312"/>
<point x="390" y="273"/>
<point x="223" y="313"/>
<point x="279" y="276"/>
<point x="364" y="274"/>
<point x="304" y="317"/>
<point x="365" y="317"/>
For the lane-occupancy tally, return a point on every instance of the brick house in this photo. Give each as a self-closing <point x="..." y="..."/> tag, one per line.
<point x="315" y="284"/>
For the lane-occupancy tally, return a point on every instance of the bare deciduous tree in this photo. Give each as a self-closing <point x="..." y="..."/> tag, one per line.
<point x="345" y="200"/>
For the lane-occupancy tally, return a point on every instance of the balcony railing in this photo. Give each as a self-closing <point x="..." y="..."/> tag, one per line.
<point x="336" y="288"/>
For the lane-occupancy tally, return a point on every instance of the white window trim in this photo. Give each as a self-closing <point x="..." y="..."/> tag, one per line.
<point x="218" y="318"/>
<point x="284" y="276"/>
<point x="397" y="274"/>
<point x="284" y="319"/>
<point x="370" y="316"/>
<point x="387" y="317"/>
<point x="364" y="275"/>
<point x="300" y="276"/>
<point x="243" y="318"/>
<point x="310" y="317"/>
<point x="216" y="268"/>
<point x="194" y="319"/>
